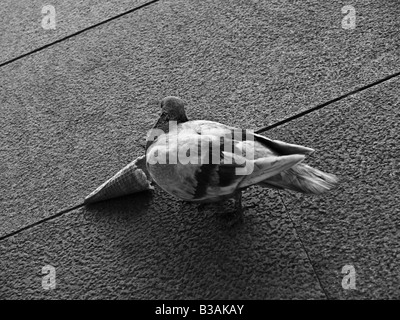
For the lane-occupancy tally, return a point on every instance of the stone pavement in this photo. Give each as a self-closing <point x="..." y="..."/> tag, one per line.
<point x="76" y="111"/>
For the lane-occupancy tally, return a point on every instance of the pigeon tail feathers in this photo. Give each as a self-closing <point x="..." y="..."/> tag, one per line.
<point x="268" y="167"/>
<point x="302" y="178"/>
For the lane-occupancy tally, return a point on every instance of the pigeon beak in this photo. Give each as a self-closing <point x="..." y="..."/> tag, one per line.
<point x="131" y="179"/>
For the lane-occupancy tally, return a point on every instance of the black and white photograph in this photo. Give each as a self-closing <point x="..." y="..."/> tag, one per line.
<point x="199" y="154"/>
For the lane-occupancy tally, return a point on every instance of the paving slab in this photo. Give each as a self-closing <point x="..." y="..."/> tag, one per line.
<point x="76" y="112"/>
<point x="358" y="224"/>
<point x="23" y="30"/>
<point x="150" y="246"/>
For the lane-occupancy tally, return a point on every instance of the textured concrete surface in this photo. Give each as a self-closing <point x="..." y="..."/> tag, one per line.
<point x="359" y="223"/>
<point x="152" y="246"/>
<point x="21" y="28"/>
<point x="75" y="113"/>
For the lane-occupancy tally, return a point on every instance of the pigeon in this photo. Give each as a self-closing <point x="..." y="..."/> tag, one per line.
<point x="206" y="161"/>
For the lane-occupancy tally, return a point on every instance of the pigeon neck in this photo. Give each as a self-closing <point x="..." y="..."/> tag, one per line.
<point x="163" y="124"/>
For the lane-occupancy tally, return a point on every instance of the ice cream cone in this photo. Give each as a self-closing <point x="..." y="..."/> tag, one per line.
<point x="131" y="179"/>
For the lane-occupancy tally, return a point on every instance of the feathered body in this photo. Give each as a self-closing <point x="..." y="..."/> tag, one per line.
<point x="220" y="161"/>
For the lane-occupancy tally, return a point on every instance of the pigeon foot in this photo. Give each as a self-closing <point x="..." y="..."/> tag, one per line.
<point x="235" y="216"/>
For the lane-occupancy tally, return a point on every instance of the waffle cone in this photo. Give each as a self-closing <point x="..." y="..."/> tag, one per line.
<point x="131" y="179"/>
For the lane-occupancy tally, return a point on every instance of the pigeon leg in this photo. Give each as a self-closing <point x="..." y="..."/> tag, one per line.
<point x="236" y="216"/>
<point x="201" y="207"/>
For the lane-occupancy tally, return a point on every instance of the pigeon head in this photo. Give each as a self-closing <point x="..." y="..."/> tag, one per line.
<point x="173" y="108"/>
